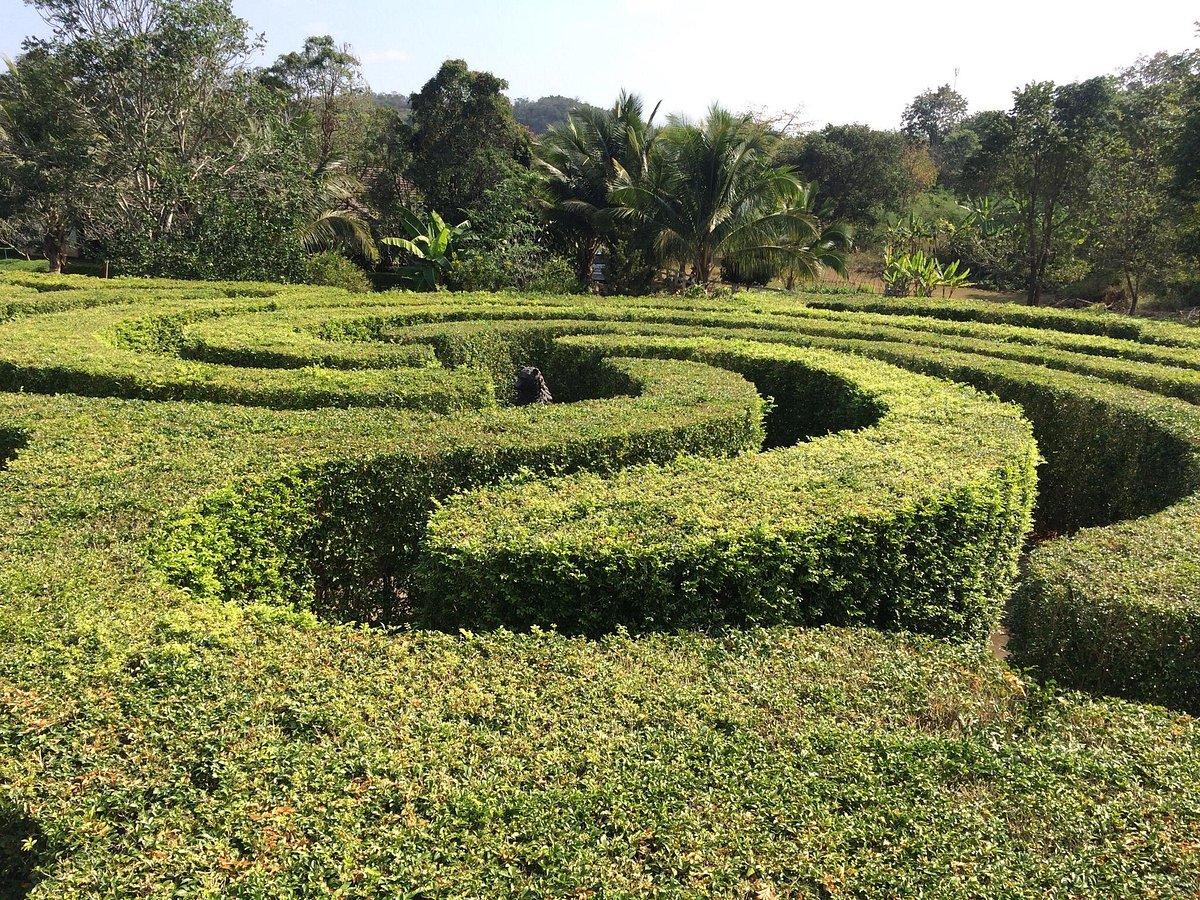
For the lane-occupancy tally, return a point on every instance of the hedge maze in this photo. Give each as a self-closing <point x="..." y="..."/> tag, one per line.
<point x="294" y="601"/>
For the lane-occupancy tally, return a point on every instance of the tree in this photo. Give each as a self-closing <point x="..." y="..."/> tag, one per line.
<point x="934" y="114"/>
<point x="581" y="161"/>
<point x="380" y="163"/>
<point x="1056" y="136"/>
<point x="323" y="87"/>
<point x="1131" y="230"/>
<point x="1134" y="210"/>
<point x="325" y="103"/>
<point x="48" y="177"/>
<point x="330" y="217"/>
<point x="973" y="157"/>
<point x="163" y="87"/>
<point x="920" y="172"/>
<point x="396" y="102"/>
<point x="244" y="224"/>
<point x="829" y="247"/>
<point x="508" y="246"/>
<point x="860" y="169"/>
<point x="464" y="138"/>
<point x="784" y="122"/>
<point x="711" y="192"/>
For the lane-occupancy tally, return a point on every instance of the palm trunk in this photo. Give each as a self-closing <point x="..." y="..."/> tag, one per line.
<point x="703" y="267"/>
<point x="583" y="260"/>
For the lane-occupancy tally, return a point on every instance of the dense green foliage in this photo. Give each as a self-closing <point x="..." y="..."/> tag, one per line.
<point x="711" y="192"/>
<point x="703" y="544"/>
<point x="270" y="164"/>
<point x="199" y="482"/>
<point x="860" y="168"/>
<point x="330" y="269"/>
<point x="137" y="133"/>
<point x="343" y="538"/>
<point x="465" y="139"/>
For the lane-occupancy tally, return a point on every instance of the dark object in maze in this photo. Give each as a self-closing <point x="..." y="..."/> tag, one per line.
<point x="531" y="387"/>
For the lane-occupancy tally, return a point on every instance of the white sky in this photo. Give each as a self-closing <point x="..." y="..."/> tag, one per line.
<point x="839" y="62"/>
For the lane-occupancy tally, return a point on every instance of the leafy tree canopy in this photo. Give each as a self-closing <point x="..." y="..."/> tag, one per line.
<point x="862" y="170"/>
<point x="464" y="138"/>
<point x="933" y="114"/>
<point x="48" y="179"/>
<point x="164" y="88"/>
<point x="322" y="83"/>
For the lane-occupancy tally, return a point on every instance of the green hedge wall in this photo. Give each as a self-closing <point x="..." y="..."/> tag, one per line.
<point x="184" y="713"/>
<point x="342" y="538"/>
<point x="914" y="523"/>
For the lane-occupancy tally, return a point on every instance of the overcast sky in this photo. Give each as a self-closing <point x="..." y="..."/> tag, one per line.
<point x="839" y="62"/>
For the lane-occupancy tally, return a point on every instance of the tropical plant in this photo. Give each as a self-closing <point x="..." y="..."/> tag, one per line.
<point x="827" y="251"/>
<point x="331" y="219"/>
<point x="711" y="192"/>
<point x="581" y="160"/>
<point x="917" y="233"/>
<point x="920" y="274"/>
<point x="430" y="248"/>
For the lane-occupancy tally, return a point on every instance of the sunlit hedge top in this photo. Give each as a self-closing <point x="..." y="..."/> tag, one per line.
<point x="200" y="483"/>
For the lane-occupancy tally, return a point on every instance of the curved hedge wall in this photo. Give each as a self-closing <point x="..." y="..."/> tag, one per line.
<point x="726" y="562"/>
<point x="913" y="523"/>
<point x="342" y="537"/>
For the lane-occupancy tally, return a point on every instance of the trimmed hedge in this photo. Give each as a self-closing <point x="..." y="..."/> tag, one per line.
<point x="1098" y="322"/>
<point x="222" y="740"/>
<point x="343" y="537"/>
<point x="94" y="352"/>
<point x="1113" y="610"/>
<point x="914" y="523"/>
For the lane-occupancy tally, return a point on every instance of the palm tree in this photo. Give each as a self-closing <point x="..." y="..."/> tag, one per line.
<point x="333" y="219"/>
<point x="581" y="160"/>
<point x="710" y="192"/>
<point x="827" y="250"/>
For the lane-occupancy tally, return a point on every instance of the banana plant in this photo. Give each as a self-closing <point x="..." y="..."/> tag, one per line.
<point x="431" y="245"/>
<point x="920" y="274"/>
<point x="897" y="273"/>
<point x="952" y="278"/>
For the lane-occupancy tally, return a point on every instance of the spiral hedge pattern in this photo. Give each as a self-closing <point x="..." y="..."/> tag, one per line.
<point x="294" y="602"/>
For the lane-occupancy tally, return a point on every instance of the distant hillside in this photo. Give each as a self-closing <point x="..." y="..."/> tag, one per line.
<point x="538" y="115"/>
<point x="394" y="100"/>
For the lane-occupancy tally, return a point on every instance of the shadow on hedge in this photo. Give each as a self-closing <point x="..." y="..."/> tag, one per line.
<point x="12" y="442"/>
<point x="21" y="841"/>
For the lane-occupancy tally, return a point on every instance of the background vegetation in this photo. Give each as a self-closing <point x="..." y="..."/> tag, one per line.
<point x="216" y="169"/>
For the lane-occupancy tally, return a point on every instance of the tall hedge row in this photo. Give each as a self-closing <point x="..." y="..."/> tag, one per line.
<point x="913" y="523"/>
<point x="341" y="537"/>
<point x="175" y="721"/>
